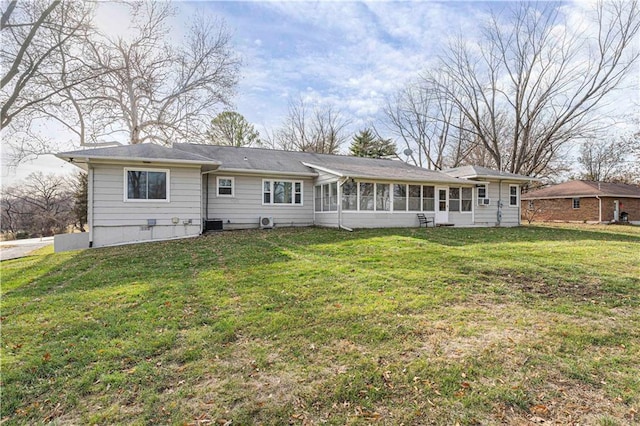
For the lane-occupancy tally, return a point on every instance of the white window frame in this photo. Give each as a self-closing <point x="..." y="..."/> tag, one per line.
<point x="574" y="201"/>
<point x="293" y="192"/>
<point x="233" y="187"/>
<point x="486" y="192"/>
<point x="517" y="187"/>
<point x="462" y="199"/>
<point x="125" y="195"/>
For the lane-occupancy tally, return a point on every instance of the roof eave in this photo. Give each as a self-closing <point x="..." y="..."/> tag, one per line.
<point x="88" y="159"/>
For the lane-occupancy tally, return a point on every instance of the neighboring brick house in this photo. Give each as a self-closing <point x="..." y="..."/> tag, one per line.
<point x="583" y="201"/>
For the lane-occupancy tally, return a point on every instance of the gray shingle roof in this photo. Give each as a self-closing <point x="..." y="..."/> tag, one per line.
<point x="484" y="173"/>
<point x="258" y="159"/>
<point x="138" y="152"/>
<point x="583" y="188"/>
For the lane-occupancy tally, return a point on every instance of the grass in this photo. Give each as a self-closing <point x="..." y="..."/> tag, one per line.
<point x="310" y="326"/>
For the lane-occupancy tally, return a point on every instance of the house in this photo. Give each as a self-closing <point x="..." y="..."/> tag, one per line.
<point x="584" y="201"/>
<point x="150" y="192"/>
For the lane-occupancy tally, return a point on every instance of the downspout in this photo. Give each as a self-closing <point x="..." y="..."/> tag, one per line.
<point x="205" y="175"/>
<point x="599" y="208"/>
<point x="340" y="183"/>
<point x="90" y="185"/>
<point x="499" y="213"/>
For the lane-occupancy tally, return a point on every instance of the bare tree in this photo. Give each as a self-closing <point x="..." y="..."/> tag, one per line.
<point x="102" y="89"/>
<point x="33" y="36"/>
<point x="41" y="61"/>
<point x="321" y="129"/>
<point x="161" y="92"/>
<point x="231" y="128"/>
<point x="40" y="205"/>
<point x="534" y="82"/>
<point x="430" y="126"/>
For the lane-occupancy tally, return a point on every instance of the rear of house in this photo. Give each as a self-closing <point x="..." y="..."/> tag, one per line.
<point x="583" y="201"/>
<point x="148" y="192"/>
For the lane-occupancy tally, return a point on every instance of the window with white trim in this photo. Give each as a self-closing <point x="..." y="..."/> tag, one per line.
<point x="428" y="198"/>
<point x="146" y="185"/>
<point x="454" y="199"/>
<point x="318" y="198"/>
<point x="279" y="192"/>
<point x="513" y="196"/>
<point x="576" y="203"/>
<point x="399" y="197"/>
<point x="414" y="198"/>
<point x="383" y="197"/>
<point x="349" y="196"/>
<point x="467" y="199"/>
<point x="482" y="191"/>
<point x="224" y="186"/>
<point x="366" y="196"/>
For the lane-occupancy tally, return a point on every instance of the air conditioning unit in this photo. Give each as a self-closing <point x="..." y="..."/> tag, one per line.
<point x="266" y="222"/>
<point x="484" y="201"/>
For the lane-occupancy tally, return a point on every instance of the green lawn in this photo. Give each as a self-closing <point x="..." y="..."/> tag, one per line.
<point x="314" y="326"/>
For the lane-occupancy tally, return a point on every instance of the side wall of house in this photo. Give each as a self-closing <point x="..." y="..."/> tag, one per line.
<point x="244" y="209"/>
<point x="561" y="209"/>
<point x="116" y="221"/>
<point x="488" y="215"/>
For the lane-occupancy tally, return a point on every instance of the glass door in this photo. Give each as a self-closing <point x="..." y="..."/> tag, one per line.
<point x="442" y="205"/>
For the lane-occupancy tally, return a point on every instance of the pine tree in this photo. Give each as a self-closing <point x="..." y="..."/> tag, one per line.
<point x="366" y="144"/>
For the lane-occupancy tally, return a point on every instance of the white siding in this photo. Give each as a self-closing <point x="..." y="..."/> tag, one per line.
<point x="488" y="215"/>
<point x="245" y="208"/>
<point x="115" y="221"/>
<point x="353" y="219"/>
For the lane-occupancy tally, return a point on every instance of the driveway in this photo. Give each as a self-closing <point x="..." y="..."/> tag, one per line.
<point x="20" y="248"/>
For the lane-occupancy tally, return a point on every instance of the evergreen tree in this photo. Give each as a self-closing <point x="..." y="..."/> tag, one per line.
<point x="366" y="144"/>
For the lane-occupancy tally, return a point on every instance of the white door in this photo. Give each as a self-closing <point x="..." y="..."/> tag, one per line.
<point x="442" y="205"/>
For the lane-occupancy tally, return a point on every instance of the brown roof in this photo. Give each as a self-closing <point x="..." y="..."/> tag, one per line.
<point x="583" y="188"/>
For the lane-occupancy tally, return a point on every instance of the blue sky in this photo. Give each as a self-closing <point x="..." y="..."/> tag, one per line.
<point x="349" y="55"/>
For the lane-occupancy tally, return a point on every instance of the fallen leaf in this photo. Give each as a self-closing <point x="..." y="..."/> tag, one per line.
<point x="46" y="357"/>
<point x="540" y="410"/>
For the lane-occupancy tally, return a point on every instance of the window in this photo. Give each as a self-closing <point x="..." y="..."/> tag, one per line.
<point x="428" y="198"/>
<point x="281" y="192"/>
<point x="349" y="196"/>
<point x="576" y="203"/>
<point x="482" y="194"/>
<point x="467" y="199"/>
<point x="414" y="198"/>
<point x="225" y="186"/>
<point x="531" y="205"/>
<point x="146" y="185"/>
<point x="266" y="192"/>
<point x="318" y="198"/>
<point x="366" y="196"/>
<point x="399" y="197"/>
<point x="454" y="199"/>
<point x="482" y="191"/>
<point x="333" y="200"/>
<point x="383" y="199"/>
<point x="326" y="197"/>
<point x="513" y="195"/>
